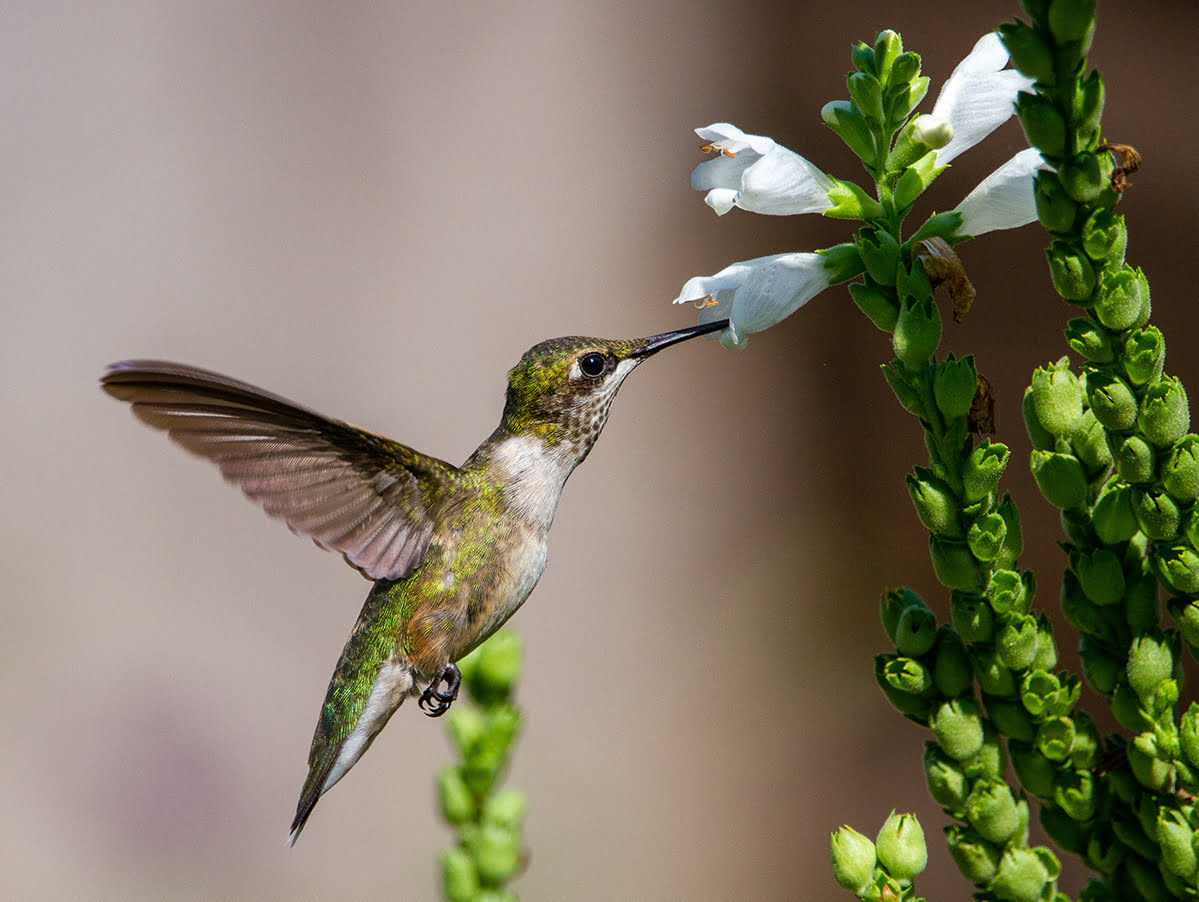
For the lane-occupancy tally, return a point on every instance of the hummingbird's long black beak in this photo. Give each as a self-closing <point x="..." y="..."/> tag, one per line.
<point x="655" y="343"/>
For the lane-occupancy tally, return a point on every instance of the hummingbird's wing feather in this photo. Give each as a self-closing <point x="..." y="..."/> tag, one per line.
<point x="348" y="490"/>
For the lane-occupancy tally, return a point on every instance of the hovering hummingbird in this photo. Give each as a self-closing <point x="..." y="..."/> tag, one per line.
<point x="453" y="551"/>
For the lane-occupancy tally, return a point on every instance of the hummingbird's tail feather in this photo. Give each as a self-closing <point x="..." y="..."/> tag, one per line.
<point x="331" y="758"/>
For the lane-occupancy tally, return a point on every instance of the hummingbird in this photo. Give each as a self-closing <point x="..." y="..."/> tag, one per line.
<point x="452" y="552"/>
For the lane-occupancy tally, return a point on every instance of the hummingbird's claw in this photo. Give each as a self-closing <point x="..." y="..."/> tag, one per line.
<point x="434" y="702"/>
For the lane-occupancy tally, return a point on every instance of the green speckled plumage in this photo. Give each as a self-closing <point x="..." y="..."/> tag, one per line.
<point x="453" y="551"/>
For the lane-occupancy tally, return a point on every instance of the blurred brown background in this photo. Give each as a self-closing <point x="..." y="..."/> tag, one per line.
<point x="374" y="209"/>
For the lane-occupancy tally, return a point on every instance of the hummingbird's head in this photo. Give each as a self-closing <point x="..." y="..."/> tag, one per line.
<point x="562" y="389"/>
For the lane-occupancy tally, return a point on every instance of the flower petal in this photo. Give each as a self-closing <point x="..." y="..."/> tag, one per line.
<point x="757" y="294"/>
<point x="1004" y="199"/>
<point x="978" y="96"/>
<point x="757" y="174"/>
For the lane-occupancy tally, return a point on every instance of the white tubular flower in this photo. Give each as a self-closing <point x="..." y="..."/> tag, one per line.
<point x="756" y="174"/>
<point x="978" y="97"/>
<point x="757" y="294"/>
<point x="1004" y="199"/>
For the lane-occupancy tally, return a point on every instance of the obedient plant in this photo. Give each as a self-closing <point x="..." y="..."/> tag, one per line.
<point x="1111" y="450"/>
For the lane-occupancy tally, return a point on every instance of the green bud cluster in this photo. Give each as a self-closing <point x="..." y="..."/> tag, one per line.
<point x="490" y="848"/>
<point x="1113" y="452"/>
<point x="885" y="868"/>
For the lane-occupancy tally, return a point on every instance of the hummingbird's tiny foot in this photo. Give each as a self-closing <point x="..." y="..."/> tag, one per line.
<point x="435" y="702"/>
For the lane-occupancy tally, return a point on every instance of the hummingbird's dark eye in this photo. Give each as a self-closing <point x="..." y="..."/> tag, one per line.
<point x="592" y="365"/>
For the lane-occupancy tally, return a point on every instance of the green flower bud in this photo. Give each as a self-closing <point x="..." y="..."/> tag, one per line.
<point x="1057" y="398"/>
<point x="1017" y="645"/>
<point x="1088" y="339"/>
<point x="1113" y="517"/>
<point x="991" y="761"/>
<point x="917" y="631"/>
<point x="1176" y="839"/>
<point x="891" y="606"/>
<point x="1142" y="610"/>
<point x="952" y="675"/>
<point x="1087" y="743"/>
<point x="986" y="537"/>
<point x="867" y="93"/>
<point x="1134" y="460"/>
<point x="1076" y="794"/>
<point x="1046" y="658"/>
<point x="935" y="503"/>
<point x="1055" y="738"/>
<point x="851" y="127"/>
<point x="887" y="47"/>
<point x="497" y="853"/>
<point x="954" y="565"/>
<point x="457" y="803"/>
<point x="972" y="617"/>
<point x="947" y="784"/>
<point x="1164" y="417"/>
<point x="901" y="849"/>
<point x="1071" y="20"/>
<point x="954" y="385"/>
<point x="1042" y="439"/>
<point x="466" y="726"/>
<point x="994" y="677"/>
<point x="1126" y="707"/>
<point x="1104" y="853"/>
<point x="1036" y="772"/>
<point x="880" y="253"/>
<point x="881" y="307"/>
<point x="1013" y="540"/>
<point x="893" y="673"/>
<point x="1029" y="51"/>
<point x="1150" y="770"/>
<point x="506" y="808"/>
<point x="1104" y="237"/>
<point x="863" y="57"/>
<point x="458" y="876"/>
<point x="905" y="392"/>
<point x="958" y="726"/>
<point x="1089" y="442"/>
<point x="1043" y="124"/>
<point x="1111" y="400"/>
<point x="1157" y="515"/>
<point x="1011" y="719"/>
<point x="1119" y="300"/>
<point x="991" y="811"/>
<point x="905" y="70"/>
<point x="1186" y="612"/>
<point x="1071" y="270"/>
<point x="1008" y="593"/>
<point x="1083" y="178"/>
<point x="1150" y="662"/>
<point x="1060" y="479"/>
<point x="494" y="667"/>
<point x="1144" y="355"/>
<point x="1100" y="574"/>
<point x="1055" y="208"/>
<point x="1064" y="831"/>
<point x="900" y="100"/>
<point x="977" y="859"/>
<point x="1025" y="874"/>
<point x="1083" y="614"/>
<point x="917" y="332"/>
<point x="1039" y="692"/>
<point x="1180" y="472"/>
<point x="1086" y="120"/>
<point x="983" y="469"/>
<point x="1101" y="669"/>
<point x="853" y="860"/>
<point x="1188" y="735"/>
<point x="1178" y="566"/>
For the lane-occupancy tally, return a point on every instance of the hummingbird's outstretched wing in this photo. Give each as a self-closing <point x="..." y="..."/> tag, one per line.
<point x="348" y="490"/>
